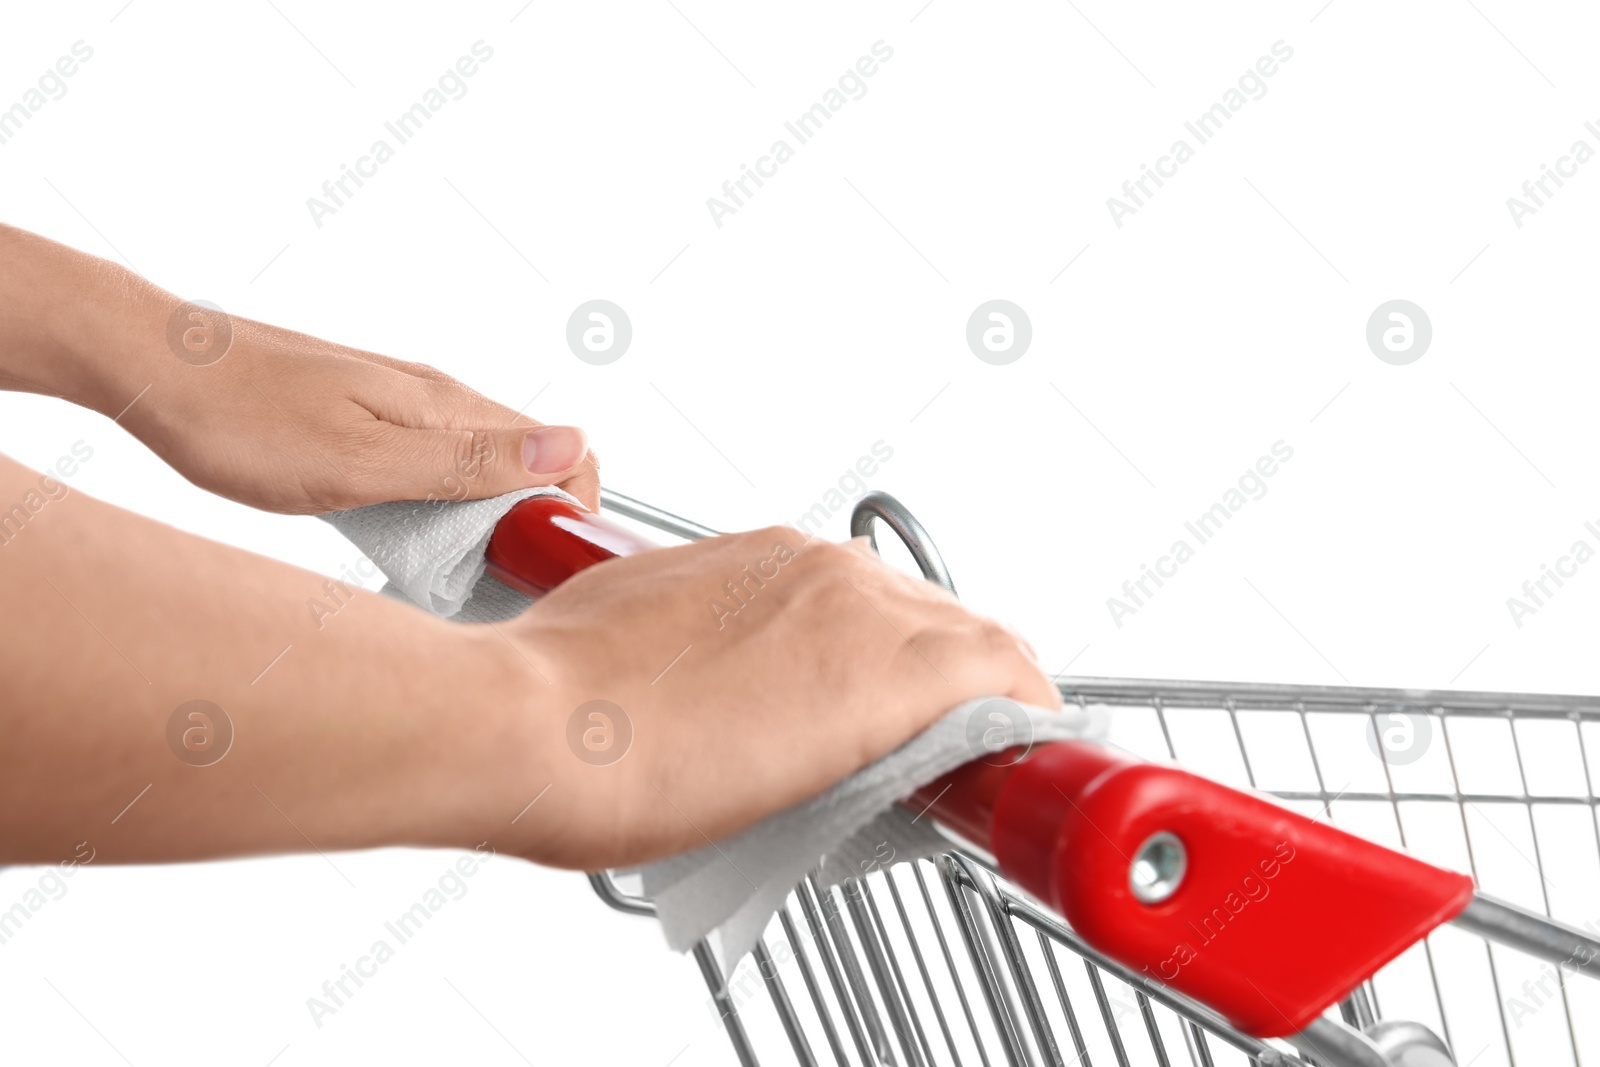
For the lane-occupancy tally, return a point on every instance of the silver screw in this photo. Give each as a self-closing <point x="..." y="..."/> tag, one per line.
<point x="1158" y="867"/>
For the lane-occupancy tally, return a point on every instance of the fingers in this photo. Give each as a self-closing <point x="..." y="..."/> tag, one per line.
<point x="413" y="464"/>
<point x="434" y="401"/>
<point x="992" y="658"/>
<point x="585" y="484"/>
<point x="977" y="655"/>
<point x="505" y="451"/>
<point x="987" y="656"/>
<point x="550" y="452"/>
<point x="1030" y="685"/>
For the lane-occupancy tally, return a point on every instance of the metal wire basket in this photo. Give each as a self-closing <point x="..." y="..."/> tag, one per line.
<point x="943" y="961"/>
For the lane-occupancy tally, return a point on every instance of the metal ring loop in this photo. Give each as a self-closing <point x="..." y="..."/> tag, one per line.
<point x="880" y="505"/>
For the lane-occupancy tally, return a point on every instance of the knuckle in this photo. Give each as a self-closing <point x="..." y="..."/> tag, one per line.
<point x="475" y="451"/>
<point x="995" y="636"/>
<point x="828" y="593"/>
<point x="979" y="651"/>
<point x="768" y="538"/>
<point x="424" y="371"/>
<point x="835" y="557"/>
<point x="771" y="533"/>
<point x="848" y="596"/>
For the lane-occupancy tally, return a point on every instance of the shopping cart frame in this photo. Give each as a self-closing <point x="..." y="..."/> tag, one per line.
<point x="988" y="908"/>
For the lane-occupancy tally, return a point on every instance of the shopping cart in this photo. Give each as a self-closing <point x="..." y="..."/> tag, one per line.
<point x="1354" y="955"/>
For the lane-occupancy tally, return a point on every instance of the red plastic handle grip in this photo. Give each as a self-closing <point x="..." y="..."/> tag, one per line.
<point x="544" y="540"/>
<point x="1274" y="918"/>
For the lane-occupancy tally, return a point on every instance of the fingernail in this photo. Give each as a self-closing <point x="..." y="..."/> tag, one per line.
<point x="552" y="449"/>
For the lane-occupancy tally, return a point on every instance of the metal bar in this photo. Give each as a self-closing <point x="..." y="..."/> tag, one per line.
<point x="1335" y="1044"/>
<point x="1544" y="888"/>
<point x="1517" y="928"/>
<point x="1113" y="1031"/>
<point x="819" y="937"/>
<point x="1166" y="732"/>
<point x="767" y="967"/>
<point x="858" y="981"/>
<point x="1195" y="1039"/>
<point x="607" y="890"/>
<point x="1449" y="798"/>
<point x="982" y="962"/>
<point x="922" y="968"/>
<point x="726" y="1010"/>
<point x="666" y="521"/>
<point x="1256" y="696"/>
<point x="1438" y="993"/>
<point x="1156" y="1044"/>
<point x="846" y="972"/>
<point x="1472" y="862"/>
<point x="878" y="967"/>
<point x="886" y="969"/>
<point x="1011" y="950"/>
<point x="1357" y="1009"/>
<point x="950" y="966"/>
<point x="1078" y="1045"/>
<point x="1311" y="747"/>
<point x="808" y="976"/>
<point x="1588" y="784"/>
<point x="1238" y="737"/>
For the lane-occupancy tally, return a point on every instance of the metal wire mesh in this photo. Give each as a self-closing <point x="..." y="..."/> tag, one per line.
<point x="942" y="962"/>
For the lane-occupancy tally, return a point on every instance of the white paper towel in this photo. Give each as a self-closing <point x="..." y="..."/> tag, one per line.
<point x="732" y="888"/>
<point x="432" y="554"/>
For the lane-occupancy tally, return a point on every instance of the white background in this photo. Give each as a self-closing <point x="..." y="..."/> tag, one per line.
<point x="826" y="314"/>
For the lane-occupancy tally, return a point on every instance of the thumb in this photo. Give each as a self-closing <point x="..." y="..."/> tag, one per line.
<point x="421" y="464"/>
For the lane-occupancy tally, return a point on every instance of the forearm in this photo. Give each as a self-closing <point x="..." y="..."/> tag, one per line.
<point x="374" y="725"/>
<point x="74" y="325"/>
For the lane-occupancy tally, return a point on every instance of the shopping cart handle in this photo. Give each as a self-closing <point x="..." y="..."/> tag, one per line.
<point x="544" y="540"/>
<point x="1264" y="915"/>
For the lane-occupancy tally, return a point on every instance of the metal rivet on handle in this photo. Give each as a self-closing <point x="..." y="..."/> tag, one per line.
<point x="1157" y="869"/>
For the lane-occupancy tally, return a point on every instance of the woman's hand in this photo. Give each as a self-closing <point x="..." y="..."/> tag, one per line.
<point x="290" y="423"/>
<point x="262" y="415"/>
<point x="698" y="689"/>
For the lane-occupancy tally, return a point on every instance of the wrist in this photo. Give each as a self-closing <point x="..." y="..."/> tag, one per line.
<point x="67" y="324"/>
<point x="112" y="341"/>
<point x="496" y="741"/>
